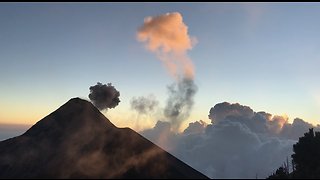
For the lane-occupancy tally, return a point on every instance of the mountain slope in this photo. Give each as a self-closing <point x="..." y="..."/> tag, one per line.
<point x="77" y="141"/>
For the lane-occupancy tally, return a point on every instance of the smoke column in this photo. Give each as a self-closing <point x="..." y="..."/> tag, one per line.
<point x="180" y="101"/>
<point x="167" y="36"/>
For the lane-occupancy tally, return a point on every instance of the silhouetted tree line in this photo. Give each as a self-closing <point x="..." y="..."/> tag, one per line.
<point x="305" y="159"/>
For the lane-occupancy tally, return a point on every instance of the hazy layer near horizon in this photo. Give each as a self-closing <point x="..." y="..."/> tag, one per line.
<point x="11" y="130"/>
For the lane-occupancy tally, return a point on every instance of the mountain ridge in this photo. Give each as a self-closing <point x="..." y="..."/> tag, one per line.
<point x="78" y="141"/>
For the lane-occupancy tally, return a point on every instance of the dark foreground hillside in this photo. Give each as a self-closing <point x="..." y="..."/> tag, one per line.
<point x="77" y="141"/>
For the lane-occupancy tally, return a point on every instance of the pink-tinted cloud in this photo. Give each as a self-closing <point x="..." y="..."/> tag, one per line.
<point x="167" y="36"/>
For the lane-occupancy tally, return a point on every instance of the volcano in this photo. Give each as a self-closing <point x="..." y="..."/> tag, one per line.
<point x="78" y="141"/>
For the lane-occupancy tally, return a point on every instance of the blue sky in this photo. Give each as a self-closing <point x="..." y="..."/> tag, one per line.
<point x="263" y="55"/>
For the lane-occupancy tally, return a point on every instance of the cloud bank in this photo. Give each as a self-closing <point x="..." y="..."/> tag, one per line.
<point x="239" y="142"/>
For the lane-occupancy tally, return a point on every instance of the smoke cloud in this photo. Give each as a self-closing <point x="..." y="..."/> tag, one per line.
<point x="144" y="105"/>
<point x="239" y="142"/>
<point x="104" y="96"/>
<point x="180" y="101"/>
<point x="167" y="36"/>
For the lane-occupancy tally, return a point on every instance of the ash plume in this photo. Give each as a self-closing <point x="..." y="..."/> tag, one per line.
<point x="104" y="96"/>
<point x="167" y="36"/>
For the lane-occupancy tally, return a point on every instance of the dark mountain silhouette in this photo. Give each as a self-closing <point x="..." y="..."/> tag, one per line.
<point x="77" y="141"/>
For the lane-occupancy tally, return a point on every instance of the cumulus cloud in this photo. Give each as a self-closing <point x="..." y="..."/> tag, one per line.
<point x="162" y="135"/>
<point x="104" y="96"/>
<point x="144" y="105"/>
<point x="297" y="129"/>
<point x="239" y="142"/>
<point x="221" y="111"/>
<point x="197" y="127"/>
<point x="259" y="122"/>
<point x="167" y="36"/>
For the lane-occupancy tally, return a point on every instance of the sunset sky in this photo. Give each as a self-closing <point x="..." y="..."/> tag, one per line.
<point x="263" y="55"/>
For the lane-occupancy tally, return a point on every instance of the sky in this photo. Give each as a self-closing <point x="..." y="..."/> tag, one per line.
<point x="263" y="55"/>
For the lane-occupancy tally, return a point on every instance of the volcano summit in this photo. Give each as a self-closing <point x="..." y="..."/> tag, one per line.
<point x="78" y="141"/>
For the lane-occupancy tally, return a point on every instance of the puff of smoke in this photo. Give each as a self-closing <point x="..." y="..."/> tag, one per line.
<point x="104" y="96"/>
<point x="144" y="105"/>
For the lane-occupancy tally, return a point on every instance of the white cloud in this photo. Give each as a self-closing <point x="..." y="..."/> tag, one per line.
<point x="239" y="143"/>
